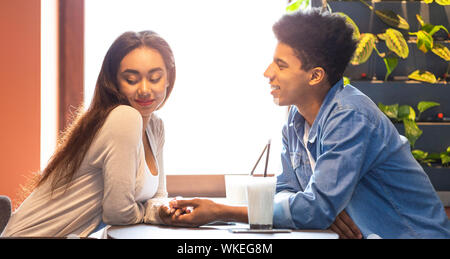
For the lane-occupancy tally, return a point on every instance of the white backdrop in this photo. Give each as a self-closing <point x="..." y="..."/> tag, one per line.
<point x="220" y="114"/>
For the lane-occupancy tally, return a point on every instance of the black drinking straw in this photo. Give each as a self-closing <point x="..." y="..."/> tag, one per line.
<point x="257" y="162"/>
<point x="267" y="158"/>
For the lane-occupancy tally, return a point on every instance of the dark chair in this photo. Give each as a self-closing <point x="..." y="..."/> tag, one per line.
<point x="5" y="211"/>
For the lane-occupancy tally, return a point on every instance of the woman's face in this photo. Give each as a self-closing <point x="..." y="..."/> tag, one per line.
<point x="142" y="78"/>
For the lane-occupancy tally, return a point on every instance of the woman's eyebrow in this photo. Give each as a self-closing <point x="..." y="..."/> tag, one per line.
<point x="133" y="71"/>
<point x="155" y="70"/>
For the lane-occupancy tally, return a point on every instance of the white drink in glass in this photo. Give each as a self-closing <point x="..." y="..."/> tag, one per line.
<point x="260" y="194"/>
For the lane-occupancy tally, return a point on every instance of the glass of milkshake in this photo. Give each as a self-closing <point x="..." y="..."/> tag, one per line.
<point x="260" y="194"/>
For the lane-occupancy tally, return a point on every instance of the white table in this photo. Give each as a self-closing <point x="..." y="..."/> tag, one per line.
<point x="145" y="231"/>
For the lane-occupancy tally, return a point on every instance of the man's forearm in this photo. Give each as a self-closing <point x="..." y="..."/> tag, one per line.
<point x="232" y="213"/>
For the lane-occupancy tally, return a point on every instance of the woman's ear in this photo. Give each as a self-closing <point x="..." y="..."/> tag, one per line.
<point x="318" y="75"/>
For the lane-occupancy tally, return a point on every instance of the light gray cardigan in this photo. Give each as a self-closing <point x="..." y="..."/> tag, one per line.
<point x="113" y="184"/>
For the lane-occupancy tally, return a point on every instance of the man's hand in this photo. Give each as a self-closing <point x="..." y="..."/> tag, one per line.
<point x="201" y="211"/>
<point x="169" y="213"/>
<point x="345" y="227"/>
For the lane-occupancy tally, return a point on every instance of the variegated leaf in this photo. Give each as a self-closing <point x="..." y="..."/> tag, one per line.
<point x="423" y="76"/>
<point x="419" y="18"/>
<point x="424" y="40"/>
<point x="356" y="34"/>
<point x="436" y="28"/>
<point x="406" y="112"/>
<point x="381" y="36"/>
<point x="346" y="80"/>
<point x="442" y="51"/>
<point x="443" y="2"/>
<point x="419" y="154"/>
<point x="412" y="132"/>
<point x="391" y="63"/>
<point x="430" y="28"/>
<point x="396" y="43"/>
<point x="364" y="48"/>
<point x="423" y="105"/>
<point x="390" y="110"/>
<point x="297" y="5"/>
<point x="389" y="17"/>
<point x="392" y="19"/>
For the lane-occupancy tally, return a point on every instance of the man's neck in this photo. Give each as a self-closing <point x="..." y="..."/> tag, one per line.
<point x="309" y="111"/>
<point x="309" y="108"/>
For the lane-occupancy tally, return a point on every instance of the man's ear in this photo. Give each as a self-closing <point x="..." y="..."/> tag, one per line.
<point x="317" y="76"/>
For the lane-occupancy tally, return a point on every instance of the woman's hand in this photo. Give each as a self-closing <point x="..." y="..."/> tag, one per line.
<point x="191" y="213"/>
<point x="345" y="227"/>
<point x="168" y="213"/>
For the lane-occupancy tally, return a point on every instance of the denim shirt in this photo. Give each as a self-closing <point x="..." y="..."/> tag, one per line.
<point x="362" y="165"/>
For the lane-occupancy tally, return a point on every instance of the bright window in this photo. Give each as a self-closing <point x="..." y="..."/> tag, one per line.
<point x="220" y="114"/>
<point x="49" y="80"/>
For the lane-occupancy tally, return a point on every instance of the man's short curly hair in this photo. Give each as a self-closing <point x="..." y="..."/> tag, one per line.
<point x="320" y="39"/>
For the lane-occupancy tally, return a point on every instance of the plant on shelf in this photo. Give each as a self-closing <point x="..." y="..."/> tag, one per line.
<point x="407" y="115"/>
<point x="294" y="6"/>
<point x="396" y="44"/>
<point x="423" y="157"/>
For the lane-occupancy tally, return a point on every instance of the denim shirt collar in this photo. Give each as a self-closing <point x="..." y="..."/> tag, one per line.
<point x="324" y="109"/>
<point x="299" y="120"/>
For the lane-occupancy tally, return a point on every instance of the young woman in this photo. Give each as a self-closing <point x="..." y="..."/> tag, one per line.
<point x="108" y="168"/>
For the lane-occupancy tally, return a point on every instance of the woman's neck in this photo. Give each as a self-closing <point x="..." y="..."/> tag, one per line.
<point x="145" y="121"/>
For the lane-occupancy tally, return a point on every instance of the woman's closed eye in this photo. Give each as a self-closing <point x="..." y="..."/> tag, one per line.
<point x="155" y="77"/>
<point x="131" y="81"/>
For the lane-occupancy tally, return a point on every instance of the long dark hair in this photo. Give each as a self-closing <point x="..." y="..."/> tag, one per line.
<point x="77" y="138"/>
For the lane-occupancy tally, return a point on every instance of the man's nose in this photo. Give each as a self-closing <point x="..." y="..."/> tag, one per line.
<point x="269" y="72"/>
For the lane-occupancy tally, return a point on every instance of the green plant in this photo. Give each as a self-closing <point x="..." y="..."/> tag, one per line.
<point x="294" y="6"/>
<point x="364" y="48"/>
<point x="425" y="40"/>
<point x="427" y="158"/>
<point x="389" y="17"/>
<point x="394" y="39"/>
<point x="398" y="47"/>
<point x="407" y="115"/>
<point x="396" y="43"/>
<point x="440" y="2"/>
<point x="423" y="76"/>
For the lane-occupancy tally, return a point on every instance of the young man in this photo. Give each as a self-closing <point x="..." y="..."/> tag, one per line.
<point x="341" y="155"/>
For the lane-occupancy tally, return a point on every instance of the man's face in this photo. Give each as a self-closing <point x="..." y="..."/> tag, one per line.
<point x="289" y="83"/>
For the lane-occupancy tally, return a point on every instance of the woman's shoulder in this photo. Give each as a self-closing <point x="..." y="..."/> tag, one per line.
<point x="121" y="130"/>
<point x="123" y="120"/>
<point x="124" y="114"/>
<point x="124" y="110"/>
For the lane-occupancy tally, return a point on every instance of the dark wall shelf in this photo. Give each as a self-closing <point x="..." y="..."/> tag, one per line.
<point x="435" y="137"/>
<point x="407" y="93"/>
<point x="439" y="177"/>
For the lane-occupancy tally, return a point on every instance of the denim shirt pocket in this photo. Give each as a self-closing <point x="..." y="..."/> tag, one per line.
<point x="295" y="159"/>
<point x="300" y="168"/>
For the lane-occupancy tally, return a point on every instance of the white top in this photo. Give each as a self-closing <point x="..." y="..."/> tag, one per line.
<point x="305" y="140"/>
<point x="113" y="184"/>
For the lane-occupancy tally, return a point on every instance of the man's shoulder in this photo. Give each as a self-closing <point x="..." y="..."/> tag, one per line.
<point x="352" y="100"/>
